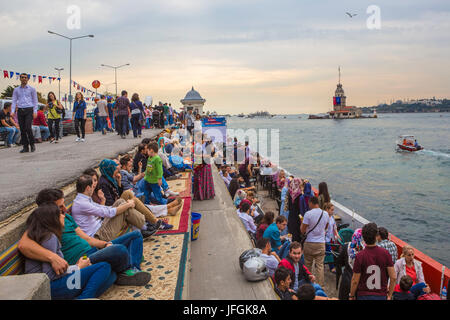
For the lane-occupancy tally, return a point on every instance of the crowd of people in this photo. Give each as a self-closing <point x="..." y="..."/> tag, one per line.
<point x="102" y="233"/>
<point x="26" y="122"/>
<point x="295" y="240"/>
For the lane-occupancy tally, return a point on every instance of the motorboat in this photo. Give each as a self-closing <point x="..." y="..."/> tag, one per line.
<point x="408" y="143"/>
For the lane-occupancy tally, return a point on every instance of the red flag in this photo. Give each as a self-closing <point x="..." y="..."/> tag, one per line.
<point x="40" y="79"/>
<point x="5" y="74"/>
<point x="334" y="101"/>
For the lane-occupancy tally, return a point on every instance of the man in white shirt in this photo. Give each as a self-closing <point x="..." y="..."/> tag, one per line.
<point x="314" y="225"/>
<point x="25" y="102"/>
<point x="270" y="257"/>
<point x="103" y="113"/>
<point x="105" y="222"/>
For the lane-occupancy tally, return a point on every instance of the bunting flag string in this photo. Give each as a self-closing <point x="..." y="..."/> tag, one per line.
<point x="10" y="75"/>
<point x="84" y="90"/>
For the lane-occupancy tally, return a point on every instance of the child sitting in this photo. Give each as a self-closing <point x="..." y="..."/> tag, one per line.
<point x="401" y="291"/>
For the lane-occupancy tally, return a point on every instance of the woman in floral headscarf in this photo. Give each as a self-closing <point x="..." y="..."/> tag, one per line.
<point x="110" y="184"/>
<point x="295" y="190"/>
<point x="356" y="245"/>
<point x="281" y="179"/>
<point x="284" y="207"/>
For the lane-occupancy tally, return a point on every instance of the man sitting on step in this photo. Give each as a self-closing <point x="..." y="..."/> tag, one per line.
<point x="124" y="254"/>
<point x="107" y="222"/>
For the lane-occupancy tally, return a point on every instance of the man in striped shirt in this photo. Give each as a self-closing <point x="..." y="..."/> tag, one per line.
<point x="384" y="242"/>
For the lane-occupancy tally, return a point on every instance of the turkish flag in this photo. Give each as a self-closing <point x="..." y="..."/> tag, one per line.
<point x="40" y="79"/>
<point x="5" y="74"/>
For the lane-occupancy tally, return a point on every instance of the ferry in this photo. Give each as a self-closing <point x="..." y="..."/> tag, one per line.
<point x="406" y="143"/>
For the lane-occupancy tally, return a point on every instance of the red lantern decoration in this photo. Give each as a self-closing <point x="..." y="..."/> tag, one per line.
<point x="95" y="84"/>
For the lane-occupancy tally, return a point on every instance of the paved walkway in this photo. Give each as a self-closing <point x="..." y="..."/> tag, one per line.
<point x="22" y="176"/>
<point x="215" y="271"/>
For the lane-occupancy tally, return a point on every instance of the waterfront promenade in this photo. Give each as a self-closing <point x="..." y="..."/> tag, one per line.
<point x="215" y="272"/>
<point x="23" y="175"/>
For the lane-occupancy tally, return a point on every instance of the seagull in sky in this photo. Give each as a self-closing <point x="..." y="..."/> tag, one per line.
<point x="351" y="15"/>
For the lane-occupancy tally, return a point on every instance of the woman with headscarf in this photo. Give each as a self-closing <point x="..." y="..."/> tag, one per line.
<point x="356" y="245"/>
<point x="281" y="180"/>
<point x="110" y="184"/>
<point x="203" y="180"/>
<point x="284" y="207"/>
<point x="295" y="191"/>
<point x="346" y="260"/>
<point x="240" y="195"/>
<point x="304" y="199"/>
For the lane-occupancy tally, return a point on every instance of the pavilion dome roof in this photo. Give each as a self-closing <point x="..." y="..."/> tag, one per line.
<point x="193" y="95"/>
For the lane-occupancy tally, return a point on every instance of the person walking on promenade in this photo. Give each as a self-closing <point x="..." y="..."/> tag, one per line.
<point x="373" y="270"/>
<point x="79" y="114"/>
<point x="189" y="121"/>
<point x="123" y="113"/>
<point x="110" y="113"/>
<point x="25" y="101"/>
<point x="7" y="124"/>
<point x="102" y="113"/>
<point x="55" y="109"/>
<point x="137" y="111"/>
<point x="314" y="225"/>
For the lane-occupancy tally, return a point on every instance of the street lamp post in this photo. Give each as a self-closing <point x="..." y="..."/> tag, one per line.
<point x="115" y="72"/>
<point x="59" y="82"/>
<point x="70" y="69"/>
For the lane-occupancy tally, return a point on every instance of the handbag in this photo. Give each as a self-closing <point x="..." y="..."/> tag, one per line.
<point x="303" y="237"/>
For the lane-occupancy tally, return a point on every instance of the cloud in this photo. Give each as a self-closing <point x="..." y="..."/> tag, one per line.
<point x="242" y="54"/>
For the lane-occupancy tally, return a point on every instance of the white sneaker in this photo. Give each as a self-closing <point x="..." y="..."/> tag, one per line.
<point x="83" y="140"/>
<point x="77" y="140"/>
<point x="172" y="193"/>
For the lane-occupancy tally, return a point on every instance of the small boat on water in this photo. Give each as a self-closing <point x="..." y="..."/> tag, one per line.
<point x="408" y="143"/>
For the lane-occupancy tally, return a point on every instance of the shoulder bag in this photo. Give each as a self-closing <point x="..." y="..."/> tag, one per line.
<point x="303" y="237"/>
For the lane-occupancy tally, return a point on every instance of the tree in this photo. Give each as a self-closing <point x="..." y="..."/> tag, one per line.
<point x="8" y="92"/>
<point x="40" y="98"/>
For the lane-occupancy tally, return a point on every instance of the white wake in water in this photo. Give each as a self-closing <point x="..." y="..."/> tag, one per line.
<point x="435" y="153"/>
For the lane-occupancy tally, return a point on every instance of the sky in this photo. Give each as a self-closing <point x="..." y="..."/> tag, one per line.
<point x="242" y="56"/>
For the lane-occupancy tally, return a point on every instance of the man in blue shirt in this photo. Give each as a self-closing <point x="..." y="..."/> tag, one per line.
<point x="26" y="102"/>
<point x="273" y="234"/>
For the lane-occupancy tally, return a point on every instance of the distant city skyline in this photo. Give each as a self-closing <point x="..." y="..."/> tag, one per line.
<point x="281" y="57"/>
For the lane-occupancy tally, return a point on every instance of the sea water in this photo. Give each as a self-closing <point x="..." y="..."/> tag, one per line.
<point x="407" y="193"/>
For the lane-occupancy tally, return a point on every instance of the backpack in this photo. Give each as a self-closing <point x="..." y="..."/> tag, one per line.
<point x="429" y="296"/>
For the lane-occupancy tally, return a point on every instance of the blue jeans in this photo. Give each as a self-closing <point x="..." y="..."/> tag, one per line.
<point x="142" y="188"/>
<point x="149" y="122"/>
<point x="137" y="129"/>
<point x="156" y="190"/>
<point x="45" y="132"/>
<point x="13" y="133"/>
<point x="103" y="124"/>
<point x="284" y="250"/>
<point x="125" y="252"/>
<point x="94" y="281"/>
<point x="317" y="287"/>
<point x="417" y="289"/>
<point x="371" y="298"/>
